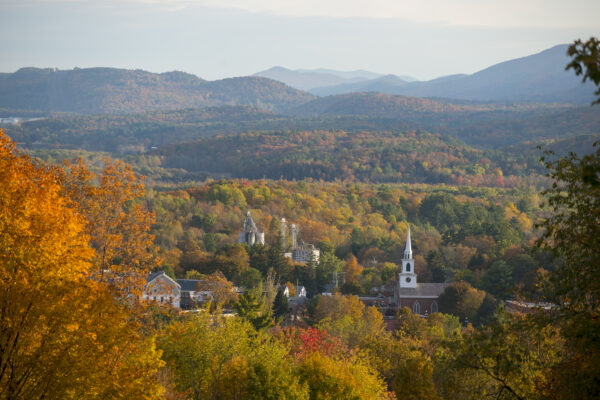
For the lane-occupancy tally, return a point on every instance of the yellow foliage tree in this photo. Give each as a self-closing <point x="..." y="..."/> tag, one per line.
<point x="62" y="334"/>
<point x="117" y="223"/>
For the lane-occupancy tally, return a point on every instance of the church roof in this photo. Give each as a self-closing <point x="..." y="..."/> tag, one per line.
<point x="423" y="290"/>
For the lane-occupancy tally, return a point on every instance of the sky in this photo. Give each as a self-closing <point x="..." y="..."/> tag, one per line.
<point x="216" y="39"/>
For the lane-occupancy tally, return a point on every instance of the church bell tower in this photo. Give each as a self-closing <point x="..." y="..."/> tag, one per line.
<point x="408" y="278"/>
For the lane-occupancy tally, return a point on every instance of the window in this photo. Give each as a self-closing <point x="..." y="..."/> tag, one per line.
<point x="407" y="280"/>
<point x="161" y="299"/>
<point x="407" y="267"/>
<point x="416" y="308"/>
<point x="434" y="307"/>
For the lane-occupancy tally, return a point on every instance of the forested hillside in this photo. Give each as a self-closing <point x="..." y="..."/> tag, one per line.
<point x="111" y="90"/>
<point x="483" y="125"/>
<point x="413" y="156"/>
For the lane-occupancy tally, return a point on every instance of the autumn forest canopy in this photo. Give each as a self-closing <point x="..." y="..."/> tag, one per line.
<point x="113" y="175"/>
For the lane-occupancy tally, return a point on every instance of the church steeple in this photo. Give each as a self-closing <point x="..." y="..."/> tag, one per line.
<point x="408" y="277"/>
<point x="408" y="248"/>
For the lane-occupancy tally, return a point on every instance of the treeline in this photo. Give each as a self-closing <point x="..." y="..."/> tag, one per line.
<point x="481" y="125"/>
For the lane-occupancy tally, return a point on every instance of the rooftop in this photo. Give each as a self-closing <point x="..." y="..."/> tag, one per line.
<point x="423" y="290"/>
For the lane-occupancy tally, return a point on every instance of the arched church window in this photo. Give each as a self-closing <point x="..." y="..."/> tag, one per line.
<point x="416" y="308"/>
<point x="407" y="267"/>
<point x="434" y="307"/>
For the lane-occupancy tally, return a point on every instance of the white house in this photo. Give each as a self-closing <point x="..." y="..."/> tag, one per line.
<point x="162" y="289"/>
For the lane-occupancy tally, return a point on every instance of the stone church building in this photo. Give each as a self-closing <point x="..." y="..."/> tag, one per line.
<point x="250" y="233"/>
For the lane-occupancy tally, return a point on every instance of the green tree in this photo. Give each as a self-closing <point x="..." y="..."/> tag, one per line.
<point x="572" y="232"/>
<point x="214" y="357"/>
<point x="522" y="265"/>
<point x="511" y="358"/>
<point x="498" y="279"/>
<point x="436" y="264"/>
<point x="281" y="307"/>
<point x="249" y="278"/>
<point x="586" y="61"/>
<point x="251" y="307"/>
<point x="462" y="300"/>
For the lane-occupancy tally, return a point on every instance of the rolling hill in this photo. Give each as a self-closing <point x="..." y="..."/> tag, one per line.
<point x="484" y="125"/>
<point x="111" y="90"/>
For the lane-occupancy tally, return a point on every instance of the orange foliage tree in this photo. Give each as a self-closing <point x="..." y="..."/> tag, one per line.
<point x="62" y="334"/>
<point x="118" y="223"/>
<point x="352" y="269"/>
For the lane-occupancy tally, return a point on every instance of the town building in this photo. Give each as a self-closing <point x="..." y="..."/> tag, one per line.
<point x="421" y="298"/>
<point x="162" y="289"/>
<point x="301" y="252"/>
<point x="180" y="293"/>
<point x="250" y="233"/>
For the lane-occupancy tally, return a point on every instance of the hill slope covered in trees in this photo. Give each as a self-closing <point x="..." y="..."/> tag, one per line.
<point x="112" y="90"/>
<point x="484" y="125"/>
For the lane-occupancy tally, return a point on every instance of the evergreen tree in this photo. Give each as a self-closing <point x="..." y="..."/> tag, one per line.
<point x="435" y="262"/>
<point x="281" y="307"/>
<point x="278" y="261"/>
<point x="498" y="279"/>
<point x="251" y="307"/>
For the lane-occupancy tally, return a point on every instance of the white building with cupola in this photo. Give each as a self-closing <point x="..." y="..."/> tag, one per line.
<point x="421" y="298"/>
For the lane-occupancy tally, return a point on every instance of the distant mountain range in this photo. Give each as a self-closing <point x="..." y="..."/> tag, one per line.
<point x="536" y="78"/>
<point x="317" y="80"/>
<point x="121" y="91"/>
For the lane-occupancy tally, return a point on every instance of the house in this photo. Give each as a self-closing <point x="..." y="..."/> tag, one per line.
<point x="284" y="289"/>
<point x="162" y="289"/>
<point x="190" y="295"/>
<point x="300" y="291"/>
<point x="180" y="293"/>
<point x="421" y="298"/>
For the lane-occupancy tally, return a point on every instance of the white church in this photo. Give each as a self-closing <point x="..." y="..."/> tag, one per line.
<point x="421" y="298"/>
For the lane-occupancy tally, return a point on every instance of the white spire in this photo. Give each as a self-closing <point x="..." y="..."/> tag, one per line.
<point x="408" y="249"/>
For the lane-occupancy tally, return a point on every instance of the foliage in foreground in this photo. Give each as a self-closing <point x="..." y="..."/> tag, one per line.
<point x="219" y="357"/>
<point x="63" y="335"/>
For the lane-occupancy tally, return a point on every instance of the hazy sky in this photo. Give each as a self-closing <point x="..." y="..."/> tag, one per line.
<point x="222" y="38"/>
